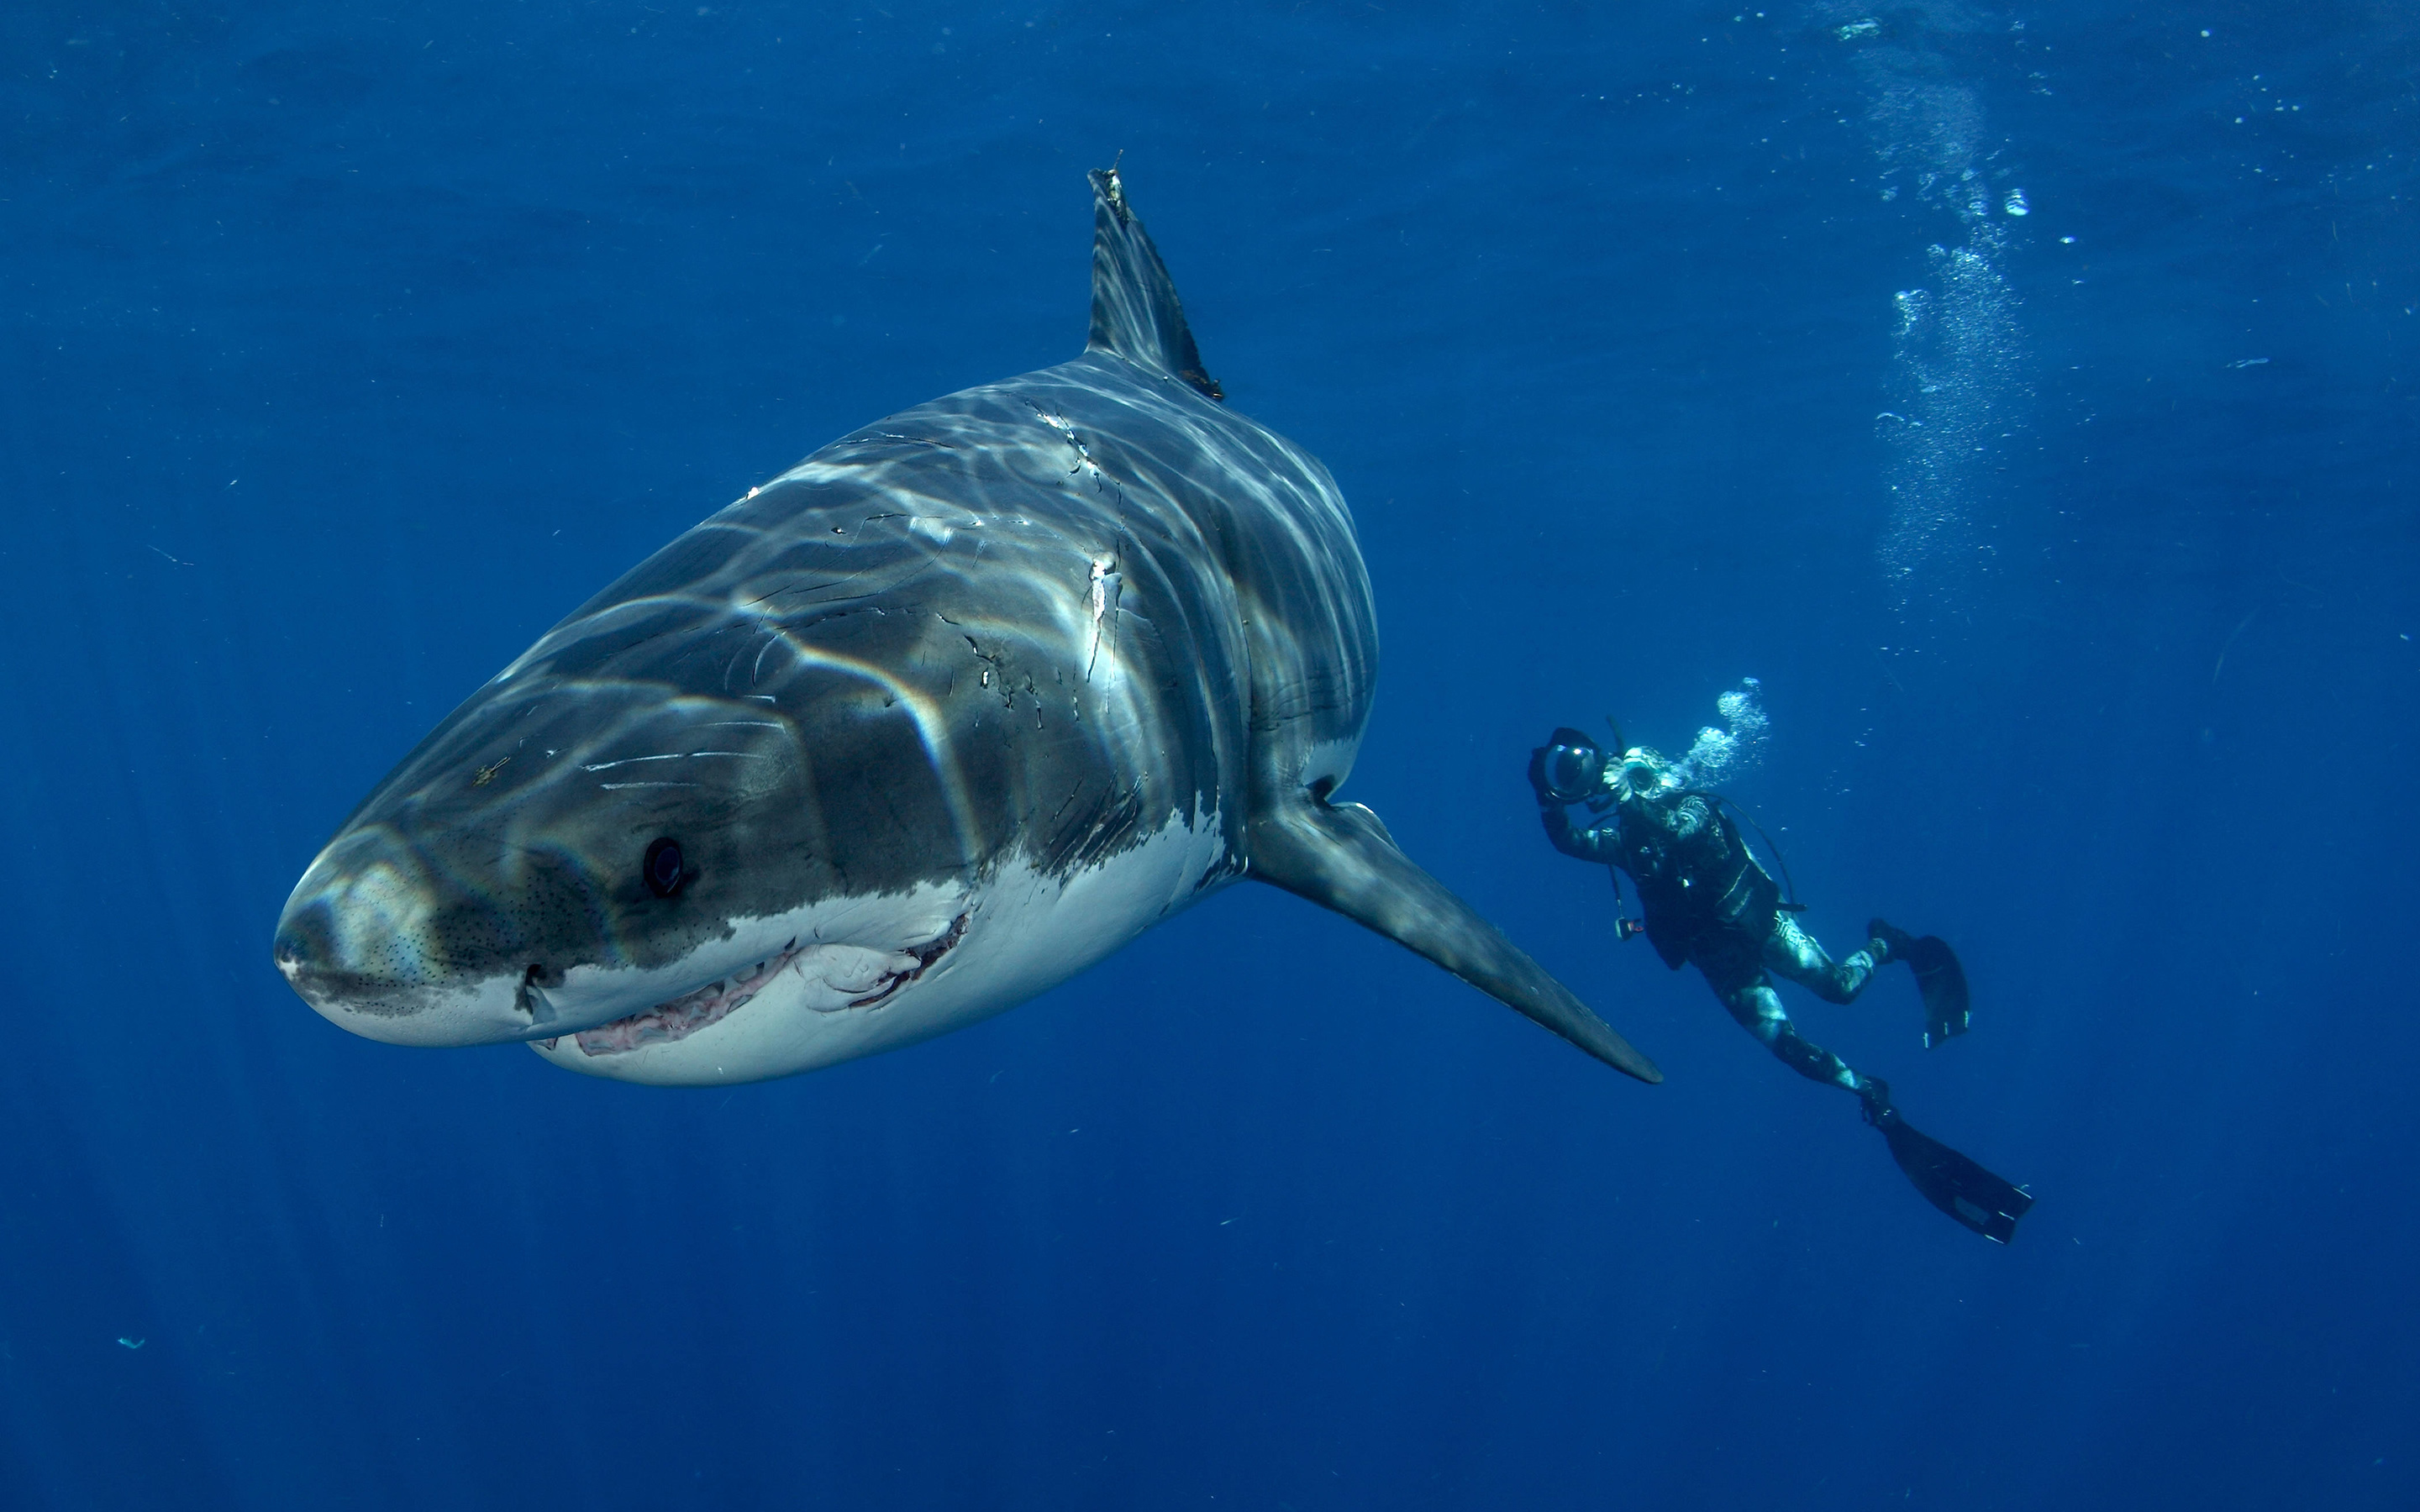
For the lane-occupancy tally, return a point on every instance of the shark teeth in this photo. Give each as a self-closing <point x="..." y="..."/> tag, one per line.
<point x="839" y="977"/>
<point x="682" y="1017"/>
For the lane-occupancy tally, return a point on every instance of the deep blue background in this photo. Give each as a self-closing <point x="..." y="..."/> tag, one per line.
<point x="344" y="347"/>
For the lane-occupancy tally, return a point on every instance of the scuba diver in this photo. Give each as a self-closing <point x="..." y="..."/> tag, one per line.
<point x="1708" y="903"/>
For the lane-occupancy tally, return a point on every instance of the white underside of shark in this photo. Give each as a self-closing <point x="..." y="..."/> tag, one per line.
<point x="831" y="999"/>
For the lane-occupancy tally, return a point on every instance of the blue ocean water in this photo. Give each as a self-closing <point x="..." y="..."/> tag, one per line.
<point x="2026" y="396"/>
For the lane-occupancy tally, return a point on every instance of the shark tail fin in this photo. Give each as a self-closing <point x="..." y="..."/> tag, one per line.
<point x="1136" y="313"/>
<point x="1340" y="857"/>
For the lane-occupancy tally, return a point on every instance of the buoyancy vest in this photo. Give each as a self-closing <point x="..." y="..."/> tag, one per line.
<point x="1696" y="884"/>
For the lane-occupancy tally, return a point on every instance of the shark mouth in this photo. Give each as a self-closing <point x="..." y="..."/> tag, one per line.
<point x="869" y="979"/>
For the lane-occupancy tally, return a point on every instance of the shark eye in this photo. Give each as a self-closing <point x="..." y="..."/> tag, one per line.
<point x="664" y="869"/>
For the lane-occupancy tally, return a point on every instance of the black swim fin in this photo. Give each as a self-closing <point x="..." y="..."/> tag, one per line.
<point x="1940" y="980"/>
<point x="1950" y="1181"/>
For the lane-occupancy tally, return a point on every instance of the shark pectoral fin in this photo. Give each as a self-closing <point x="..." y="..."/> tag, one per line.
<point x="1340" y="857"/>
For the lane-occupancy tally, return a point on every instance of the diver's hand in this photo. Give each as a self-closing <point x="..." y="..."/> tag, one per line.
<point x="1538" y="780"/>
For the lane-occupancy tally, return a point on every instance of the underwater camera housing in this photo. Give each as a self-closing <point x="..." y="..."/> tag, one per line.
<point x="1572" y="767"/>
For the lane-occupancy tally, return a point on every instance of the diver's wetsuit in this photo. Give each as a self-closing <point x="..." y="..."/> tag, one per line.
<point x="1709" y="903"/>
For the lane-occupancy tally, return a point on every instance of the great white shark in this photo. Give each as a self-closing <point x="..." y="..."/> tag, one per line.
<point x="934" y="720"/>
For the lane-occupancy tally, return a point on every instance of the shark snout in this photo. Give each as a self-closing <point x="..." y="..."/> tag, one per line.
<point x="372" y="939"/>
<point x="376" y="994"/>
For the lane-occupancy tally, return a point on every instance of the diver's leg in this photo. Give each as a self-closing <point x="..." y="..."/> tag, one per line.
<point x="1985" y="1203"/>
<point x="1792" y="953"/>
<point x="1757" y="1010"/>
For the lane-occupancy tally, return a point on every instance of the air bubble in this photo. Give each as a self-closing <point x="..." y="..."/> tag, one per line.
<point x="1718" y="753"/>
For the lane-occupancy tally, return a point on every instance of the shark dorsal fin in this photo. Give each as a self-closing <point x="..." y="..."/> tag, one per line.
<point x="1136" y="313"/>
